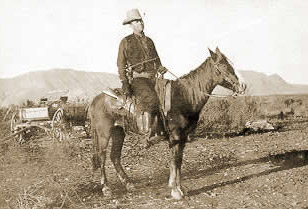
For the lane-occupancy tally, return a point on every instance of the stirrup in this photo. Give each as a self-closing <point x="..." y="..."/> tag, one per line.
<point x="154" y="140"/>
<point x="122" y="106"/>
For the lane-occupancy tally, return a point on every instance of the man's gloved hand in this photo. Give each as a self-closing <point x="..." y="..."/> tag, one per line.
<point x="126" y="89"/>
<point x="162" y="70"/>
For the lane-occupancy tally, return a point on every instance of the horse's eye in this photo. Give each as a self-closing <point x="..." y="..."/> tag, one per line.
<point x="223" y="66"/>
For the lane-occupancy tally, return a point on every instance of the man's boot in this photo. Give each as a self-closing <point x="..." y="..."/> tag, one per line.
<point x="144" y="123"/>
<point x="150" y="122"/>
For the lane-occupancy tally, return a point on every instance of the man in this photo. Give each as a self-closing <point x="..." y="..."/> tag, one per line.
<point x="138" y="66"/>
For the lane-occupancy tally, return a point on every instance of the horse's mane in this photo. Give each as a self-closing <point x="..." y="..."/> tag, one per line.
<point x="198" y="82"/>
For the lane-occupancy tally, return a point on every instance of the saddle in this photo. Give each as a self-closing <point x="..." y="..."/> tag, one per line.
<point x="117" y="101"/>
<point x="135" y="120"/>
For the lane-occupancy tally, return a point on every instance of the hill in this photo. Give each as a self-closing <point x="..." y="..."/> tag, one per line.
<point x="85" y="85"/>
<point x="34" y="85"/>
<point x="261" y="84"/>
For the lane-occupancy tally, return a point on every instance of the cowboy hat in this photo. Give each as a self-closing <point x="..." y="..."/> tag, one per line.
<point x="132" y="15"/>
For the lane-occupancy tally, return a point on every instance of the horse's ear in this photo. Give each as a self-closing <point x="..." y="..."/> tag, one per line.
<point x="217" y="51"/>
<point x="219" y="54"/>
<point x="213" y="55"/>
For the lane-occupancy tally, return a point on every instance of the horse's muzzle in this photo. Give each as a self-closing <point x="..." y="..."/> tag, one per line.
<point x="242" y="88"/>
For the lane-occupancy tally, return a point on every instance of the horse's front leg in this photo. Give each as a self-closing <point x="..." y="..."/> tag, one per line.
<point x="177" y="149"/>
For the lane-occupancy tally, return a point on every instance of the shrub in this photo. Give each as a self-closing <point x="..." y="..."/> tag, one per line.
<point x="228" y="115"/>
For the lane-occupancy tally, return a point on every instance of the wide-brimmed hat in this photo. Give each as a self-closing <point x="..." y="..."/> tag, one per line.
<point x="132" y="15"/>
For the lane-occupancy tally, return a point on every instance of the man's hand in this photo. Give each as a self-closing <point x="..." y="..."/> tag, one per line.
<point x="126" y="89"/>
<point x="162" y="70"/>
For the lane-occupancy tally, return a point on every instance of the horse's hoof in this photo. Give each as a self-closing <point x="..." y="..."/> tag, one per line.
<point x="147" y="145"/>
<point x="176" y="194"/>
<point x="106" y="191"/>
<point x="130" y="187"/>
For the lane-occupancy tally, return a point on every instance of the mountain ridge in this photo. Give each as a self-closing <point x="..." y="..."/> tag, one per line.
<point x="85" y="85"/>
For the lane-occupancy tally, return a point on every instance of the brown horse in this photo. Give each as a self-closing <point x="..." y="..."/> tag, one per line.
<point x="189" y="95"/>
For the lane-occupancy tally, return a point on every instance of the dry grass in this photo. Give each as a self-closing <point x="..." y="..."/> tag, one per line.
<point x="49" y="176"/>
<point x="32" y="197"/>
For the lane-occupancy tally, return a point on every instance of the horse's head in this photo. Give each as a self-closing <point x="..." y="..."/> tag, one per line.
<point x="226" y="75"/>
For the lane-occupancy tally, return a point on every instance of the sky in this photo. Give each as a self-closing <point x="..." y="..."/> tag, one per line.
<point x="266" y="36"/>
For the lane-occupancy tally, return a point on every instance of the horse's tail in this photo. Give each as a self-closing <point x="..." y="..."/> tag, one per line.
<point x="96" y="160"/>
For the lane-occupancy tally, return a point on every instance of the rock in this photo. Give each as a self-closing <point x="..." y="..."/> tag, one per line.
<point x="259" y="125"/>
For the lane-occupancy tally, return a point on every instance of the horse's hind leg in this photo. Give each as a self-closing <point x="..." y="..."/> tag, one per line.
<point x="117" y="137"/>
<point x="101" y="141"/>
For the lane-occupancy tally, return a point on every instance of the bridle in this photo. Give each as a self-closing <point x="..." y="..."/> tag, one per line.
<point x="226" y="75"/>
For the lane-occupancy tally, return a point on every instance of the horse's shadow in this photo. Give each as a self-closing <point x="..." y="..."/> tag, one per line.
<point x="281" y="162"/>
<point x="284" y="161"/>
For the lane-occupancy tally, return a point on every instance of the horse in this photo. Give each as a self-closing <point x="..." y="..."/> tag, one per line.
<point x="189" y="95"/>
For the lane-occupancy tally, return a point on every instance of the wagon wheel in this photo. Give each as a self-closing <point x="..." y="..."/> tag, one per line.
<point x="15" y="121"/>
<point x="57" y="125"/>
<point x="87" y="126"/>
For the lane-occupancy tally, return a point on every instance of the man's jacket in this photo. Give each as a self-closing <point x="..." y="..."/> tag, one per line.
<point x="140" y="53"/>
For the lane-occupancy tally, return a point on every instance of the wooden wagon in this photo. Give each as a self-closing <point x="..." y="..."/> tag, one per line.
<point x="25" y="119"/>
<point x="55" y="118"/>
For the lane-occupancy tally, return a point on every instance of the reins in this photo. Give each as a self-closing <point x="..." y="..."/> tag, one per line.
<point x="129" y="68"/>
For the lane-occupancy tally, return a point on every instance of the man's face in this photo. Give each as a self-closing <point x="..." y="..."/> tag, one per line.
<point x="137" y="26"/>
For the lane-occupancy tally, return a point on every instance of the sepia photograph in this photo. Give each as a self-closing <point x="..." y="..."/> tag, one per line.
<point x="153" y="104"/>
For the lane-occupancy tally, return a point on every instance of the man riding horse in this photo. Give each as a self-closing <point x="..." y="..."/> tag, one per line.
<point x="138" y="66"/>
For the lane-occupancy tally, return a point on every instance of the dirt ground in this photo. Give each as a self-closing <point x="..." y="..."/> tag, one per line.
<point x="262" y="170"/>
